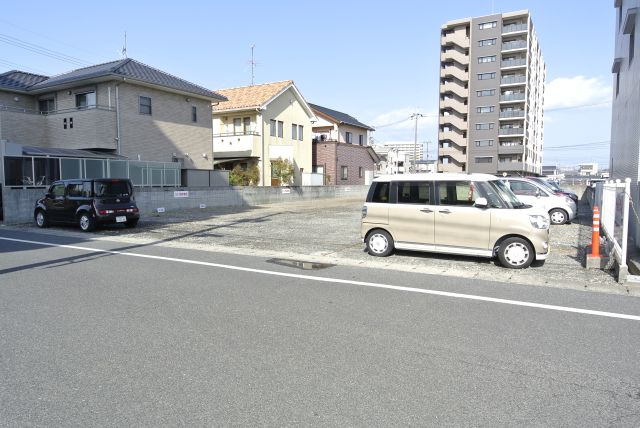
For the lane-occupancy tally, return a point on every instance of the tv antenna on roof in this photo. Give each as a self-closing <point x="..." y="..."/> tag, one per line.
<point x="253" y="64"/>
<point x="124" y="47"/>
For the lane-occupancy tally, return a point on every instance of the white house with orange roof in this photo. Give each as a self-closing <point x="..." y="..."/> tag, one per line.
<point x="261" y="123"/>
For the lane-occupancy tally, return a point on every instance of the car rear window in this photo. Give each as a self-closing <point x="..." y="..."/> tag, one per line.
<point x="112" y="188"/>
<point x="380" y="192"/>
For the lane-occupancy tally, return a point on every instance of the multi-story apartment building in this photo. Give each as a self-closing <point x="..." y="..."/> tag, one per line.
<point x="414" y="151"/>
<point x="492" y="77"/>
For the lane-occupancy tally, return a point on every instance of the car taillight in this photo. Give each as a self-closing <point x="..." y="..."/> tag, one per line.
<point x="105" y="212"/>
<point x="132" y="210"/>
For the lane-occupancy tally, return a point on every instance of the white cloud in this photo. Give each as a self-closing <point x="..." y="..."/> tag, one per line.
<point x="576" y="91"/>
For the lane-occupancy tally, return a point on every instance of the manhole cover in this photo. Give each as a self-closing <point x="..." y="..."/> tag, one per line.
<point x="300" y="264"/>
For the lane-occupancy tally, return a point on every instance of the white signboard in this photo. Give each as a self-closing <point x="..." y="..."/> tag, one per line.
<point x="347" y="189"/>
<point x="160" y="209"/>
<point x="286" y="191"/>
<point x="203" y="206"/>
<point x="181" y="194"/>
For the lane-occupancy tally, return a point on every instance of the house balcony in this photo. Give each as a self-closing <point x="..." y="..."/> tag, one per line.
<point x="518" y="62"/>
<point x="512" y="114"/>
<point x="515" y="28"/>
<point x="514" y="45"/>
<point x="520" y="79"/>
<point x="458" y="38"/>
<point x="235" y="142"/>
<point x="511" y="150"/>
<point x="454" y="55"/>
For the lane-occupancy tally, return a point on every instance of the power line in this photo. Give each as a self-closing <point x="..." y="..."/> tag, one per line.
<point x="32" y="47"/>
<point x="594" y="144"/>
<point x="403" y="120"/>
<point x="19" y="66"/>
<point x="579" y="106"/>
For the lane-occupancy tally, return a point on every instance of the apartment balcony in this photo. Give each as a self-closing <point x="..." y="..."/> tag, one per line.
<point x="454" y="120"/>
<point x="507" y="166"/>
<point x="518" y="62"/>
<point x="235" y="142"/>
<point x="454" y="55"/>
<point x="454" y="137"/>
<point x="513" y="80"/>
<point x="511" y="150"/>
<point x="518" y="96"/>
<point x="515" y="45"/>
<point x="458" y="38"/>
<point x="450" y="167"/>
<point x="454" y="104"/>
<point x="512" y="114"/>
<point x="515" y="28"/>
<point x="454" y="71"/>
<point x="511" y="131"/>
<point x="454" y="153"/>
<point x="454" y="88"/>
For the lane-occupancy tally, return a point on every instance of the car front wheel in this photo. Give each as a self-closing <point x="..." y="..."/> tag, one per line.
<point x="86" y="222"/>
<point x="558" y="216"/>
<point x="515" y="253"/>
<point x="41" y="219"/>
<point x="379" y="243"/>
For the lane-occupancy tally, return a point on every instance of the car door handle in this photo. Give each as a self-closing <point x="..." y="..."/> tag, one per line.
<point x="445" y="211"/>
<point x="426" y="210"/>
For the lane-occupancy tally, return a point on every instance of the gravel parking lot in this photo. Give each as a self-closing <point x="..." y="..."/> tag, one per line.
<point x="328" y="231"/>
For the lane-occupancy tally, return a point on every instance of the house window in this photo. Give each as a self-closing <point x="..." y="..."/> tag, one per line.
<point x="343" y="172"/>
<point x="280" y="129"/>
<point x="484" y="159"/>
<point x="487" y="42"/>
<point x="361" y="139"/>
<point x="86" y="100"/>
<point x="484" y="143"/>
<point x="246" y="125"/>
<point x="486" y="76"/>
<point x="484" y="126"/>
<point x="490" y="58"/>
<point x="145" y="105"/>
<point x="487" y="25"/>
<point x="294" y="131"/>
<point x="272" y="127"/>
<point x="486" y="93"/>
<point x="300" y="132"/>
<point x="617" y="83"/>
<point x="348" y="137"/>
<point x="237" y="126"/>
<point x="46" y="105"/>
<point x="485" y="109"/>
<point x="360" y="172"/>
<point x="243" y="166"/>
<point x="194" y="114"/>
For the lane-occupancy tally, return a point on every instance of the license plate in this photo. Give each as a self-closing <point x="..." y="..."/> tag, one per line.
<point x="121" y="219"/>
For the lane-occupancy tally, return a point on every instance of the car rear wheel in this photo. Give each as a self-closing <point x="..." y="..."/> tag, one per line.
<point x="379" y="243"/>
<point x="558" y="216"/>
<point x="515" y="253"/>
<point x="86" y="222"/>
<point x="41" y="219"/>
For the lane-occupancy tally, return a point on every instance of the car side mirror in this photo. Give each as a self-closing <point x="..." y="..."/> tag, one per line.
<point x="48" y="195"/>
<point x="481" y="203"/>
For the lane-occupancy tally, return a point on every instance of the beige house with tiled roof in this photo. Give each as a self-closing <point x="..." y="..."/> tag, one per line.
<point x="261" y="123"/>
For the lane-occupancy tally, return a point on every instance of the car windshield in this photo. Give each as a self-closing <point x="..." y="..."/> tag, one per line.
<point x="506" y="194"/>
<point x="553" y="184"/>
<point x="547" y="185"/>
<point x="112" y="188"/>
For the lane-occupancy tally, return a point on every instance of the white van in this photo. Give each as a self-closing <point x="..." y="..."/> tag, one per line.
<point x="468" y="214"/>
<point x="561" y="208"/>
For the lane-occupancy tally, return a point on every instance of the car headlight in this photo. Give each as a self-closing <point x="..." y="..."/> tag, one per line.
<point x="568" y="200"/>
<point x="539" y="221"/>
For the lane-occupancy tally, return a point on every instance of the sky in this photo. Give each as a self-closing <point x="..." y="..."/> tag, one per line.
<point x="375" y="60"/>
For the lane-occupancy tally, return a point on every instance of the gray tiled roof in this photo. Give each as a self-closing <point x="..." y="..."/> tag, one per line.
<point x="340" y="117"/>
<point x="19" y="80"/>
<point x="126" y="68"/>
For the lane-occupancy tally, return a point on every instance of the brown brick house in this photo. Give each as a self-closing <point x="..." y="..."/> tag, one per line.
<point x="340" y="148"/>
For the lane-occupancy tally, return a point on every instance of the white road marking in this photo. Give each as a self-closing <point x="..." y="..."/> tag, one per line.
<point x="344" y="281"/>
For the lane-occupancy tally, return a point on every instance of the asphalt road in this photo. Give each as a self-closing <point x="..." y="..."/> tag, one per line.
<point x="116" y="334"/>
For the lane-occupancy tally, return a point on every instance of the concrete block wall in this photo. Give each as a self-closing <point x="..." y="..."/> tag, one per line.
<point x="18" y="204"/>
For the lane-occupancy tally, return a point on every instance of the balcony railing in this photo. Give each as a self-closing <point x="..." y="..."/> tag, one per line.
<point x="514" y="27"/>
<point x="510" y="131"/>
<point x="50" y="112"/>
<point x="239" y="134"/>
<point x="516" y="44"/>
<point x="514" y="62"/>
<point x="511" y="113"/>
<point x="513" y="97"/>
<point x="513" y="79"/>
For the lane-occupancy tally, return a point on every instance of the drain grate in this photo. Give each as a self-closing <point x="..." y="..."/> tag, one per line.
<point x="300" y="264"/>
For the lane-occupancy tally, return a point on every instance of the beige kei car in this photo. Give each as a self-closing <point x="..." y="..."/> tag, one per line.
<point x="467" y="214"/>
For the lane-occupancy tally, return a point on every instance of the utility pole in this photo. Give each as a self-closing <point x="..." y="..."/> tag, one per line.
<point x="415" y="141"/>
